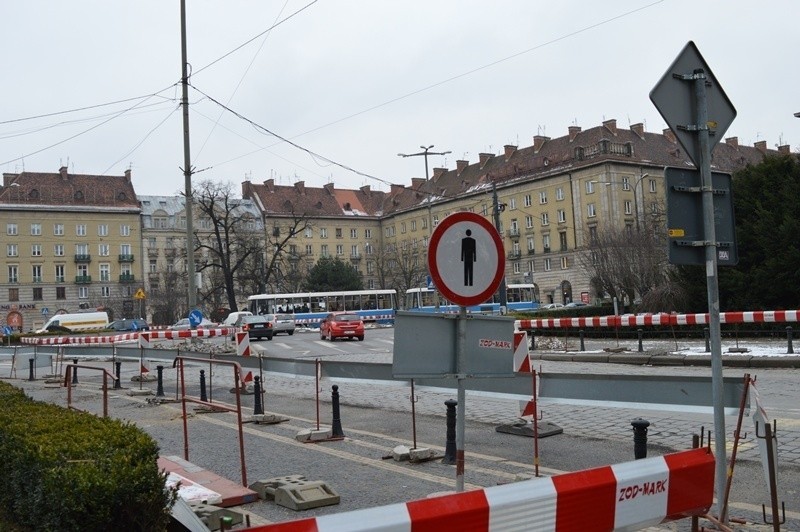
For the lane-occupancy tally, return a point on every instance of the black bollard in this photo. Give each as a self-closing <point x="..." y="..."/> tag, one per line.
<point x="533" y="342"/>
<point x="117" y="383"/>
<point x="640" y="437"/>
<point x="160" y="387"/>
<point x="707" y="336"/>
<point x="639" y="334"/>
<point x="789" y="347"/>
<point x="203" y="396"/>
<point x="75" y="371"/>
<point x="450" y="445"/>
<point x="31" y="363"/>
<point x="336" y="426"/>
<point x="258" y="410"/>
<point x="583" y="345"/>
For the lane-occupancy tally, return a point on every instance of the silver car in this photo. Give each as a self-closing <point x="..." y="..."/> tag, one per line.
<point x="283" y="323"/>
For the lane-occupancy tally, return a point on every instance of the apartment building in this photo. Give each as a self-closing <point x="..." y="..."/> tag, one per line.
<point x="68" y="242"/>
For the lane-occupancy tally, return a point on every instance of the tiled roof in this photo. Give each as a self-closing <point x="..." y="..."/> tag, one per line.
<point x="313" y="202"/>
<point x="63" y="189"/>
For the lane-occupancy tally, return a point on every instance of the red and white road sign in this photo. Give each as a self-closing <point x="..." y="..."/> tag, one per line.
<point x="466" y="259"/>
<point x="522" y="359"/>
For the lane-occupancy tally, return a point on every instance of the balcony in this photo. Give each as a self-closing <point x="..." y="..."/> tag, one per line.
<point x="152" y="253"/>
<point x="125" y="258"/>
<point x="513" y="232"/>
<point x="37" y="279"/>
<point x="547" y="249"/>
<point x="126" y="278"/>
<point x="83" y="279"/>
<point x="293" y="257"/>
<point x="513" y="255"/>
<point x="170" y="252"/>
<point x="355" y="257"/>
<point x="80" y="257"/>
<point x="531" y="251"/>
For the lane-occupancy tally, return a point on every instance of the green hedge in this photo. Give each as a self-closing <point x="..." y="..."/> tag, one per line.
<point x="67" y="470"/>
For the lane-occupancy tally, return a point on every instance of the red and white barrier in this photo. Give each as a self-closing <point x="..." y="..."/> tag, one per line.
<point x="764" y="316"/>
<point x="243" y="344"/>
<point x="625" y="496"/>
<point x="143" y="337"/>
<point x="522" y="358"/>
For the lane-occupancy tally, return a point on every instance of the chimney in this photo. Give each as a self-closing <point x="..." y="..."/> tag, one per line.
<point x="300" y="187"/>
<point x="128" y="175"/>
<point x="417" y="182"/>
<point x="638" y="129"/>
<point x="732" y="142"/>
<point x="611" y="125"/>
<point x="63" y="172"/>
<point x="327" y="186"/>
<point x="538" y="142"/>
<point x="438" y="172"/>
<point x="784" y="150"/>
<point x="670" y="136"/>
<point x="396" y="189"/>
<point x="365" y="189"/>
<point x="461" y="166"/>
<point x="573" y="132"/>
<point x="483" y="158"/>
<point x="761" y="146"/>
<point x="509" y="150"/>
<point x="270" y="184"/>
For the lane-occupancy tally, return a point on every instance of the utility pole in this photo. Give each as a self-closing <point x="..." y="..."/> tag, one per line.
<point x="426" y="151"/>
<point x="187" y="166"/>
<point x="497" y="208"/>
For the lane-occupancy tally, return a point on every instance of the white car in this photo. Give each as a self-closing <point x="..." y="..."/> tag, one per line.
<point x="230" y="321"/>
<point x="183" y="325"/>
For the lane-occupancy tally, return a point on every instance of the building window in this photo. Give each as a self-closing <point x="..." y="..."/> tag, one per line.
<point x="413" y="225"/>
<point x="323" y="232"/>
<point x="339" y="249"/>
<point x="546" y="243"/>
<point x="435" y="220"/>
<point x="560" y="194"/>
<point x="37" y="293"/>
<point x="81" y="249"/>
<point x="12" y="229"/>
<point x="531" y="266"/>
<point x="626" y="183"/>
<point x="338" y="232"/>
<point x="36" y="272"/>
<point x="527" y="200"/>
<point x="13" y="294"/>
<point x="324" y="250"/>
<point x="125" y="230"/>
<point x="529" y="221"/>
<point x="590" y="187"/>
<point x="403" y="227"/>
<point x="545" y="219"/>
<point x="59" y="273"/>
<point x="512" y="204"/>
<point x="102" y="230"/>
<point x="61" y="292"/>
<point x="547" y="266"/>
<point x="590" y="212"/>
<point x="531" y="245"/>
<point x="36" y="229"/>
<point x="80" y="230"/>
<point x="83" y="270"/>
<point x="652" y="185"/>
<point x="517" y="268"/>
<point x="125" y="249"/>
<point x="309" y="250"/>
<point x="628" y="207"/>
<point x="353" y="233"/>
<point x="105" y="272"/>
<point x="593" y="234"/>
<point x="564" y="263"/>
<point x="153" y="266"/>
<point x="83" y="292"/>
<point x="58" y="229"/>
<point x="105" y="291"/>
<point x="562" y="216"/>
<point x="104" y="250"/>
<point x="58" y="250"/>
<point x="562" y="238"/>
<point x="542" y="197"/>
<point x="12" y="250"/>
<point x="370" y="267"/>
<point x="367" y="233"/>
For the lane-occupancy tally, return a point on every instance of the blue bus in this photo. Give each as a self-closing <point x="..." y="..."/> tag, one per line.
<point x="310" y="308"/>
<point x="520" y="297"/>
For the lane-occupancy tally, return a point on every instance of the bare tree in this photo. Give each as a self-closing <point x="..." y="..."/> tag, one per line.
<point x="401" y="267"/>
<point x="168" y="301"/>
<point x="226" y="239"/>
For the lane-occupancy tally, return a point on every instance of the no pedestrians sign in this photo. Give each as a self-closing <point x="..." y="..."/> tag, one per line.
<point x="466" y="259"/>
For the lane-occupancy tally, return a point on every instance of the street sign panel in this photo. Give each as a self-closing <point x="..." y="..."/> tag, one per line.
<point x="45" y="311"/>
<point x="674" y="95"/>
<point x="685" y="229"/>
<point x="139" y="294"/>
<point x="465" y="258"/>
<point x="195" y="318"/>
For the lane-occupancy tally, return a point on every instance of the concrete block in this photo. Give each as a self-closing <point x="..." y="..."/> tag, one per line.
<point x="789" y="361"/>
<point x="590" y="357"/>
<point x="736" y="361"/>
<point x="698" y="360"/>
<point x="421" y="454"/>
<point x="401" y="453"/>
<point x="212" y="516"/>
<point x="266" y="488"/>
<point x="266" y="419"/>
<point x="311" y="435"/>
<point x="523" y="428"/>
<point x="134" y="392"/>
<point x="640" y="359"/>
<point x="305" y="495"/>
<point x="145" y="377"/>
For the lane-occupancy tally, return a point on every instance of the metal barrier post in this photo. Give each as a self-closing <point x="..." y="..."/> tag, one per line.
<point x="203" y="395"/>
<point x="640" y="437"/>
<point x="580" y="335"/>
<point x="639" y="334"/>
<point x="706" y="334"/>
<point x="450" y="445"/>
<point x="160" y="387"/>
<point x="257" y="408"/>
<point x="31" y="364"/>
<point x="75" y="371"/>
<point x="117" y="383"/>
<point x="789" y="347"/>
<point x="336" y="425"/>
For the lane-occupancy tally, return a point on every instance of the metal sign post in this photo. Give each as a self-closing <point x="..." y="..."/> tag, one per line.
<point x="685" y="96"/>
<point x="461" y="397"/>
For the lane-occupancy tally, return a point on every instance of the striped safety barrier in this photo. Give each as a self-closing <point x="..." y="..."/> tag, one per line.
<point x="626" y="496"/>
<point x="143" y="337"/>
<point x="639" y="320"/>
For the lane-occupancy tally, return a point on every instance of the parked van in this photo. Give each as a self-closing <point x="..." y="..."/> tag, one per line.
<point x="81" y="322"/>
<point x="230" y="321"/>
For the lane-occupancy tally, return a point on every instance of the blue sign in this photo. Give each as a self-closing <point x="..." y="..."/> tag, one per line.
<point x="195" y="318"/>
<point x="134" y="326"/>
<point x="7" y="330"/>
<point x="45" y="311"/>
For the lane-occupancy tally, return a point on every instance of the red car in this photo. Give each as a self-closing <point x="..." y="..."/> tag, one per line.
<point x="341" y="325"/>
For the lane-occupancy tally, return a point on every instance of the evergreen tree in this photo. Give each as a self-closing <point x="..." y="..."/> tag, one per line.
<point x="332" y="274"/>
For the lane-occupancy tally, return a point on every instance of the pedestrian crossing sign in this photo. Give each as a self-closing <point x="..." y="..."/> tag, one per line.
<point x="139" y="294"/>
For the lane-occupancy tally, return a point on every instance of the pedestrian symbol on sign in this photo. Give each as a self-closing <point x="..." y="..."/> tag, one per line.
<point x="468" y="256"/>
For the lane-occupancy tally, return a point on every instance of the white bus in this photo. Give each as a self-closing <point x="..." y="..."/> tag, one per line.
<point x="520" y="297"/>
<point x="309" y="308"/>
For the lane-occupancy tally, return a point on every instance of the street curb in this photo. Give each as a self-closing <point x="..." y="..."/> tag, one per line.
<point x="662" y="359"/>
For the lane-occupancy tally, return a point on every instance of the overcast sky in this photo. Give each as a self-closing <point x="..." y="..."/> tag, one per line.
<point x="358" y="82"/>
